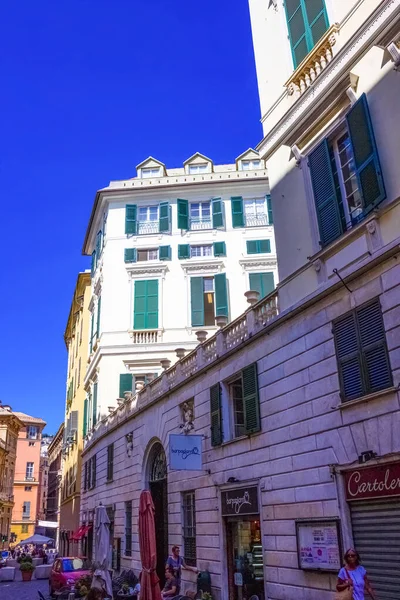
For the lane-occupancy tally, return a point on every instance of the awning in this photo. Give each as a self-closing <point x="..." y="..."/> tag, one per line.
<point x="80" y="533"/>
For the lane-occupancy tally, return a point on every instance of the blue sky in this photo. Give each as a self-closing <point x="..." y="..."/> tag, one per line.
<point x="89" y="89"/>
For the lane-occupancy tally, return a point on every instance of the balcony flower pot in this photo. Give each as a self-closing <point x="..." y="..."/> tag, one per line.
<point x="221" y="320"/>
<point x="201" y="335"/>
<point x="180" y="352"/>
<point x="252" y="296"/>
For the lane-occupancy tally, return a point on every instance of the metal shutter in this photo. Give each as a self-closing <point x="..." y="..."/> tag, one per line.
<point x="376" y="533"/>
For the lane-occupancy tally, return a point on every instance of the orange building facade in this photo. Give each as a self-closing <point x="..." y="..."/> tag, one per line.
<point x="9" y="428"/>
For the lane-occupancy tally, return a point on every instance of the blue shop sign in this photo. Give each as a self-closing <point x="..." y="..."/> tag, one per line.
<point x="185" y="452"/>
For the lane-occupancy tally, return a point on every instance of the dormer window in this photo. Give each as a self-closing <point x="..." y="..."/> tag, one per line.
<point x="251" y="165"/>
<point x="150" y="172"/>
<point x="197" y="169"/>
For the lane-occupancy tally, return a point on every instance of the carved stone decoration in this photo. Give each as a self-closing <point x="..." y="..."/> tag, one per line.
<point x="187" y="414"/>
<point x="371" y="227"/>
<point x="317" y="264"/>
<point x="129" y="444"/>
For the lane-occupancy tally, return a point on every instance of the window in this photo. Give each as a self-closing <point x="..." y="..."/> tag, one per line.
<point x="26" y="510"/>
<point x="91" y="479"/>
<point x="209" y="298"/>
<point x="255" y="212"/>
<point x="85" y="477"/>
<point x="146" y="304"/>
<point x="32" y="432"/>
<point x="200" y="215"/>
<point x="31" y="443"/>
<point x="201" y="251"/>
<point x="196" y="169"/>
<point x="28" y="488"/>
<point x="128" y="528"/>
<point x="263" y="283"/>
<point x="307" y="22"/>
<point x="29" y="470"/>
<point x="189" y="528"/>
<point x="150" y="172"/>
<point x="361" y="352"/>
<point x="148" y="219"/>
<point x="144" y="255"/>
<point x="249" y="165"/>
<point x="258" y="246"/>
<point x="346" y="175"/>
<point x="24" y="528"/>
<point x="234" y="407"/>
<point x="110" y="462"/>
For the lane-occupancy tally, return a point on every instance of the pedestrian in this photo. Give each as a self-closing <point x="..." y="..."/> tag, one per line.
<point x="171" y="585"/>
<point x="178" y="563"/>
<point x="353" y="576"/>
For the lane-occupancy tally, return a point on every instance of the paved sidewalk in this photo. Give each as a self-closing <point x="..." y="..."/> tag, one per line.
<point x="24" y="590"/>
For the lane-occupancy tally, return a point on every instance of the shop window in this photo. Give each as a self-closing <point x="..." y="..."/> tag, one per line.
<point x="361" y="351"/>
<point x="189" y="527"/>
<point x="128" y="528"/>
<point x="234" y="407"/>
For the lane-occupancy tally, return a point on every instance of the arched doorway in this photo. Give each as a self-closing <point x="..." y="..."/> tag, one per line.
<point x="159" y="492"/>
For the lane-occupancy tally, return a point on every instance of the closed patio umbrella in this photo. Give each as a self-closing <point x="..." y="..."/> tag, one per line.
<point x="101" y="576"/>
<point x="149" y="583"/>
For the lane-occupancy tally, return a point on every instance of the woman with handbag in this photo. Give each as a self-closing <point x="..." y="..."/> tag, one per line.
<point x="352" y="579"/>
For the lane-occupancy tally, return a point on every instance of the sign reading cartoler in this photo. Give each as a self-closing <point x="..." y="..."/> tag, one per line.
<point x="240" y="501"/>
<point x="380" y="481"/>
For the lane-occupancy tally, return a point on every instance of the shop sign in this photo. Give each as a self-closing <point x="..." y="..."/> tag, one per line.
<point x="318" y="545"/>
<point x="374" y="482"/>
<point x="185" y="452"/>
<point x="240" y="501"/>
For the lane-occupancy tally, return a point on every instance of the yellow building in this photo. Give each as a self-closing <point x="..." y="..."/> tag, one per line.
<point x="76" y="338"/>
<point x="10" y="426"/>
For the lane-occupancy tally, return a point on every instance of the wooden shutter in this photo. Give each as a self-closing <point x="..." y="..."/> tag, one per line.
<point x="326" y="201"/>
<point x="99" y="244"/>
<point x="130" y="219"/>
<point x="197" y="301"/>
<point x="164" y="253"/>
<point x="94" y="413"/>
<point x="93" y="264"/>
<point x="221" y="295"/>
<point x="374" y="351"/>
<point x="307" y="22"/>
<point x="98" y="316"/>
<point x="94" y="470"/>
<point x="91" y="331"/>
<point x="183" y="251"/>
<point x="264" y="246"/>
<point x="251" y="400"/>
<point x="164" y="224"/>
<point x="252" y="247"/>
<point x="269" y="210"/>
<point x="152" y="304"/>
<point x="368" y="169"/>
<point x="74" y="423"/>
<point x="216" y="415"/>
<point x="125" y="384"/>
<point x="85" y="415"/>
<point x="263" y="283"/>
<point x="146" y="304"/>
<point x="130" y="255"/>
<point x="110" y="462"/>
<point x="348" y="357"/>
<point x="183" y="214"/>
<point x="217" y="213"/>
<point x="219" y="249"/>
<point x="237" y="211"/>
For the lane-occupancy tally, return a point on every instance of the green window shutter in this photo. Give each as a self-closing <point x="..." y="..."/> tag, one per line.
<point x="348" y="357"/>
<point x="269" y="210"/>
<point x="93" y="264"/>
<point x="251" y="402"/>
<point x="130" y="255"/>
<point x="197" y="301"/>
<point x="307" y="22"/>
<point x="216" y="415"/>
<point x="326" y="201"/>
<point x="91" y="331"/>
<point x="85" y="410"/>
<point x="217" y="213"/>
<point x="221" y="295"/>
<point x="164" y="221"/>
<point x="369" y="173"/>
<point x="130" y="219"/>
<point x="251" y="247"/>
<point x="146" y="304"/>
<point x="263" y="283"/>
<point x="183" y="214"/>
<point x="94" y="404"/>
<point x="237" y="211"/>
<point x="183" y="251"/>
<point x="125" y="384"/>
<point x="99" y="243"/>
<point x="264" y="246"/>
<point x="219" y="249"/>
<point x="98" y="316"/>
<point x="164" y="253"/>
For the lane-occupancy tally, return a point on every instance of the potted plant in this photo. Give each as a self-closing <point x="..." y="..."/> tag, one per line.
<point x="82" y="585"/>
<point x="27" y="569"/>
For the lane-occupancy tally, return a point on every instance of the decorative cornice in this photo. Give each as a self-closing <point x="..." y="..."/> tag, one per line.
<point x="145" y="269"/>
<point x="251" y="264"/>
<point x="201" y="266"/>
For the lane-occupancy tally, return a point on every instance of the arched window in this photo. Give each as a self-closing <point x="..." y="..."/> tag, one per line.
<point x="158" y="470"/>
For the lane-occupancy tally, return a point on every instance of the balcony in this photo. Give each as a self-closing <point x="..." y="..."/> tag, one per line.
<point x="256" y="220"/>
<point x="145" y="336"/>
<point x="199" y="223"/>
<point x="313" y="64"/>
<point x="26" y="516"/>
<point x="148" y="227"/>
<point x="29" y="478"/>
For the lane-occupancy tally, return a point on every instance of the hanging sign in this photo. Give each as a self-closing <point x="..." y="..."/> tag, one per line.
<point x="185" y="452"/>
<point x="318" y="545"/>
<point x="379" y="481"/>
<point x="240" y="501"/>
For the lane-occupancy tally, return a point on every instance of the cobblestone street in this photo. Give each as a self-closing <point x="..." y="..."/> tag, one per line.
<point x="23" y="590"/>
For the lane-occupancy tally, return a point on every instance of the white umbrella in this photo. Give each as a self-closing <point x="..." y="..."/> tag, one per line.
<point x="101" y="576"/>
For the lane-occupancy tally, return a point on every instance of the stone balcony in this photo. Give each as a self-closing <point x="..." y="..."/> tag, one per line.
<point x="313" y="64"/>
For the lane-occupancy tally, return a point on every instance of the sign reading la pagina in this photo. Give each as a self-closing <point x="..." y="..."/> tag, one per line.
<point x="380" y="481"/>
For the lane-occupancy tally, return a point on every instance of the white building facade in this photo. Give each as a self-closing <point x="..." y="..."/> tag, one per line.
<point x="172" y="251"/>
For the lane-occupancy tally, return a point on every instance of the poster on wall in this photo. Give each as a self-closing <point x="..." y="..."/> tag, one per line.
<point x="185" y="452"/>
<point x="318" y="545"/>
